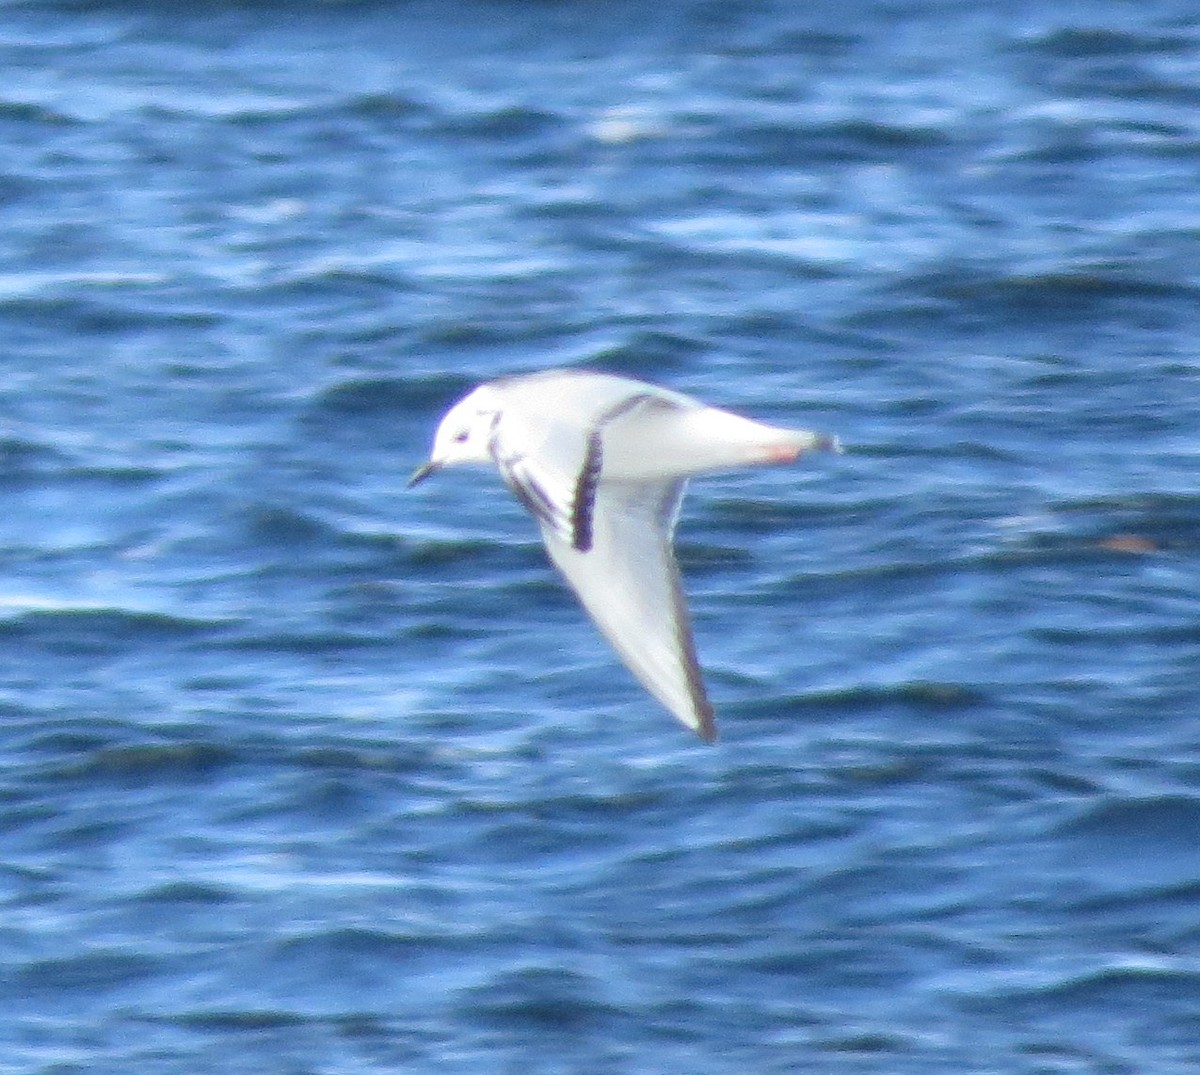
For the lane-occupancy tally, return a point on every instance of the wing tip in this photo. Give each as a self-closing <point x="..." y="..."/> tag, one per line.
<point x="705" y="726"/>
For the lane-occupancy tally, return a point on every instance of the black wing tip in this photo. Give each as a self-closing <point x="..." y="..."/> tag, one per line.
<point x="706" y="725"/>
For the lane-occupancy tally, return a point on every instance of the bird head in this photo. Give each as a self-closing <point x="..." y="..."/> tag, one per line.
<point x="464" y="435"/>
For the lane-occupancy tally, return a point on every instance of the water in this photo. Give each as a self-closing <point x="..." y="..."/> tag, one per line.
<point x="304" y="773"/>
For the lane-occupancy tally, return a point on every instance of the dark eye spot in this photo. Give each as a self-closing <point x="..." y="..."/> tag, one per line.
<point x="460" y="436"/>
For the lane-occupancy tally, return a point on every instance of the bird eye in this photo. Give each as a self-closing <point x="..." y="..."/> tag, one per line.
<point x="461" y="436"/>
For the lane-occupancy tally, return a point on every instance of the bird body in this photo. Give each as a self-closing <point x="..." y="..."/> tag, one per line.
<point x="601" y="462"/>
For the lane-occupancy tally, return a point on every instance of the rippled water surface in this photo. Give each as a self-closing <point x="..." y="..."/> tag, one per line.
<point x="305" y="773"/>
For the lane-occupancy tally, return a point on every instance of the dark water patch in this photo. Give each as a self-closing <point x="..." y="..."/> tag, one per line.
<point x="1158" y="914"/>
<point x="112" y="476"/>
<point x="1134" y="843"/>
<point x="92" y="631"/>
<point x="299" y="116"/>
<point x="1129" y="524"/>
<point x="1054" y="296"/>
<point x="701" y="560"/>
<point x="1141" y="993"/>
<point x="507" y="338"/>
<point x="92" y="317"/>
<point x="186" y="917"/>
<point x="183" y="894"/>
<point x="1122" y="550"/>
<point x="867" y="139"/>
<point x="350" y="943"/>
<point x="14" y="189"/>
<point x="141" y="765"/>
<point x="807" y="144"/>
<point x="918" y="697"/>
<point x="439" y="552"/>
<point x="318" y="291"/>
<point x="390" y="107"/>
<point x="331" y="969"/>
<point x="730" y="253"/>
<point x="388" y="758"/>
<point x="1069" y="784"/>
<point x="497" y="571"/>
<point x="301" y="637"/>
<point x="84" y="978"/>
<point x="752" y="515"/>
<point x="557" y="1001"/>
<point x="23" y="460"/>
<point x="328" y="800"/>
<point x="841" y="967"/>
<point x="445" y="629"/>
<point x="817" y="40"/>
<point x="508" y="123"/>
<point x="37" y="115"/>
<point x="229" y="1020"/>
<point x="1077" y="288"/>
<point x="53" y="732"/>
<point x="866" y="1043"/>
<point x="757" y="330"/>
<point x="646" y="354"/>
<point x="1126" y="635"/>
<point x="389" y="397"/>
<point x="1074" y="42"/>
<point x="319" y="548"/>
<point x="1140" y="83"/>
<point x="582" y="810"/>
<point x="892" y="573"/>
<point x="285" y="528"/>
<point x="773" y="854"/>
<point x="1169" y="140"/>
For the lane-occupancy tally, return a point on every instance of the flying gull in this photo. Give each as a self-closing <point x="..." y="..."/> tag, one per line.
<point x="601" y="463"/>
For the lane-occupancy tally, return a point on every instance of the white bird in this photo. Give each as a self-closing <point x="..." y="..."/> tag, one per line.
<point x="601" y="462"/>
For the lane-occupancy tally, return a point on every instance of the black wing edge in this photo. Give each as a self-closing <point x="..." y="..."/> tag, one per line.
<point x="687" y="643"/>
<point x="584" y="502"/>
<point x="528" y="490"/>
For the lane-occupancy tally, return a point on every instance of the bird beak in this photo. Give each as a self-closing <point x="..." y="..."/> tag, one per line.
<point x="422" y="472"/>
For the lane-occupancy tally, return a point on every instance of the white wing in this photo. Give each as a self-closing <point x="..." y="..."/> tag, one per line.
<point x="629" y="583"/>
<point x="553" y="462"/>
<point x="548" y="468"/>
<point x="610" y="539"/>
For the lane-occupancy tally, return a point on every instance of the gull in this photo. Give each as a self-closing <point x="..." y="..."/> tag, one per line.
<point x="601" y="462"/>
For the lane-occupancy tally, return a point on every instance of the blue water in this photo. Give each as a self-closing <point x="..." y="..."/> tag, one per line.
<point x="303" y="773"/>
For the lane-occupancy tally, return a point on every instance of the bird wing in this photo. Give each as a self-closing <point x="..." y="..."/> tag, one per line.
<point x="611" y="540"/>
<point x="553" y="466"/>
<point x="541" y="491"/>
<point x="628" y="581"/>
